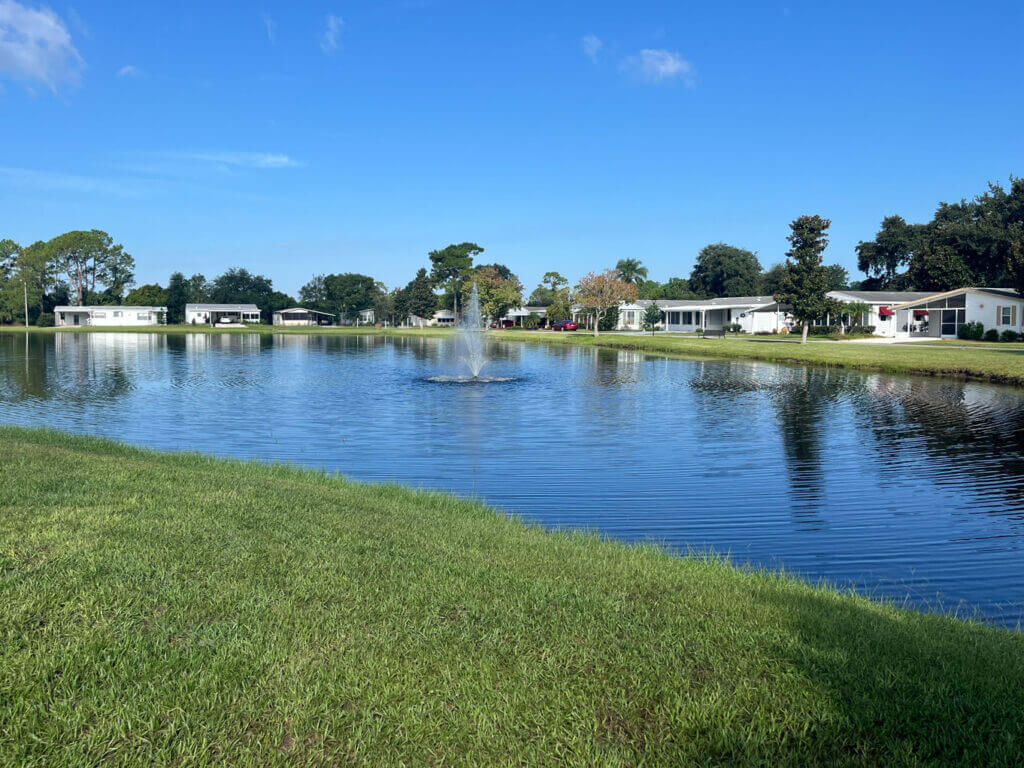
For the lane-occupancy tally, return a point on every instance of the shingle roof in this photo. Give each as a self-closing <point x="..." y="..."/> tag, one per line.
<point x="222" y="307"/>
<point x="881" y="297"/>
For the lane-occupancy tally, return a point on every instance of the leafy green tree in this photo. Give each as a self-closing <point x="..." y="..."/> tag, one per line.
<point x="344" y="294"/>
<point x="420" y="299"/>
<point x="632" y="271"/>
<point x="239" y="286"/>
<point x="837" y="277"/>
<point x="148" y="295"/>
<point x="560" y="307"/>
<point x="90" y="259"/>
<point x="678" y="289"/>
<point x="9" y="251"/>
<point x="31" y="272"/>
<point x="771" y="280"/>
<point x="652" y="316"/>
<point x="177" y="297"/>
<point x="384" y="307"/>
<point x="450" y="267"/>
<point x="498" y="294"/>
<point x="938" y="266"/>
<point x="805" y="281"/>
<point x="544" y="294"/>
<point x="649" y="289"/>
<point x="890" y="251"/>
<point x="725" y="270"/>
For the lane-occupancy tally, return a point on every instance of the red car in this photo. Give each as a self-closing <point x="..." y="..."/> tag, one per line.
<point x="504" y="324"/>
<point x="565" y="325"/>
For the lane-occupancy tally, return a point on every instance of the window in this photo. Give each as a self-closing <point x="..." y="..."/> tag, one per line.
<point x="143" y="315"/>
<point x="1006" y="316"/>
<point x="673" y="318"/>
<point x="117" y="314"/>
<point x="99" y="314"/>
<point x="688" y="318"/>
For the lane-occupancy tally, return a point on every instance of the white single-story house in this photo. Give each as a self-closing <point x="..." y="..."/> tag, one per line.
<point x="367" y="316"/>
<point x="939" y="315"/>
<point x="519" y="314"/>
<point x="881" y="315"/>
<point x="302" y="316"/>
<point x="443" y="317"/>
<point x="691" y="314"/>
<point x="221" y="314"/>
<point x="69" y="317"/>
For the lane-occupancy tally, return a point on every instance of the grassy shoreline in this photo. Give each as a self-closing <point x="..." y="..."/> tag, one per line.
<point x="173" y="609"/>
<point x="981" y="363"/>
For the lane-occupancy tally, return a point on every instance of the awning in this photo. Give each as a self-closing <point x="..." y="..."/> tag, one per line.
<point x="920" y="313"/>
<point x="885" y="312"/>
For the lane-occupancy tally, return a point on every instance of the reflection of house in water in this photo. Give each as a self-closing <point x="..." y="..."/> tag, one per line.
<point x="93" y="365"/>
<point x="199" y="343"/>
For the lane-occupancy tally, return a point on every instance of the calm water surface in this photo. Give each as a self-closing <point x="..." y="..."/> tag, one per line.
<point x="910" y="489"/>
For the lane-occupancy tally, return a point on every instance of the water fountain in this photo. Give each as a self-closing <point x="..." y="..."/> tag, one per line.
<point x="470" y="338"/>
<point x="471" y="346"/>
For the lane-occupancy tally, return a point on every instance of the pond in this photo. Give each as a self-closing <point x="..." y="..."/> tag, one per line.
<point x="905" y="488"/>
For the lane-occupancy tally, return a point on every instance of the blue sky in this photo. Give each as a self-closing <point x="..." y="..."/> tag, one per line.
<point x="298" y="138"/>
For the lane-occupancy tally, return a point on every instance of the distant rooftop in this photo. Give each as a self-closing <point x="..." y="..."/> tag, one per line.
<point x="222" y="307"/>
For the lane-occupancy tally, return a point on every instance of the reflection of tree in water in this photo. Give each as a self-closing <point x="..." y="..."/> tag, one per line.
<point x="967" y="430"/>
<point x="25" y="360"/>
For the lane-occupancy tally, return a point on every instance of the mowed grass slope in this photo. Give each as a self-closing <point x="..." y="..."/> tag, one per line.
<point x="165" y="609"/>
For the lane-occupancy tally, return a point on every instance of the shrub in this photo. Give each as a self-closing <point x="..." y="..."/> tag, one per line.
<point x="971" y="331"/>
<point x="860" y="330"/>
<point x="531" y="321"/>
<point x="991" y="335"/>
<point x="45" y="320"/>
<point x="819" y="330"/>
<point x="1009" y="336"/>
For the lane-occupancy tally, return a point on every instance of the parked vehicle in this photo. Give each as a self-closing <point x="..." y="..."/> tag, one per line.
<point x="504" y="324"/>
<point x="565" y="325"/>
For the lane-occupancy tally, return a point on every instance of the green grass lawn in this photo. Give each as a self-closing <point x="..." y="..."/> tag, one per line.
<point x="1002" y="364"/>
<point x="979" y="363"/>
<point x="165" y="609"/>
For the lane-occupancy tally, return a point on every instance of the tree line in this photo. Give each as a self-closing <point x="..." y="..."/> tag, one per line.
<point x="975" y="242"/>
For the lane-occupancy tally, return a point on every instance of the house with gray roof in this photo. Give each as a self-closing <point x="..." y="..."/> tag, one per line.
<point x="221" y="314"/>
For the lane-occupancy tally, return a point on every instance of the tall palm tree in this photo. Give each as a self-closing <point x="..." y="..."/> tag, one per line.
<point x="632" y="271"/>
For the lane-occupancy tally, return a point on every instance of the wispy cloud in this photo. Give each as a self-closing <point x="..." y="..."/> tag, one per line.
<point x="129" y="70"/>
<point x="329" y="38"/>
<point x="592" y="46"/>
<point x="243" y="159"/>
<point x="35" y="46"/>
<point x="53" y="181"/>
<point x="270" y="26"/>
<point x="659" y="66"/>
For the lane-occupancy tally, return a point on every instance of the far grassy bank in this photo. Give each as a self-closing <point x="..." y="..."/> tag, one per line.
<point x="165" y="609"/>
<point x="982" y="364"/>
<point x="1000" y="364"/>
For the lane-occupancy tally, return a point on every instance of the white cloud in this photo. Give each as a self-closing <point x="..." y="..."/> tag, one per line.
<point x="36" y="46"/>
<point x="243" y="159"/>
<point x="129" y="70"/>
<point x="331" y="33"/>
<point x="656" y="66"/>
<point x="592" y="46"/>
<point x="271" y="26"/>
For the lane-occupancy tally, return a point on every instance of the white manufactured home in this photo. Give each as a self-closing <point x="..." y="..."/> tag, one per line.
<point x="940" y="315"/>
<point x="881" y="315"/>
<point x="710" y="314"/>
<point x="302" y="316"/>
<point x="221" y="314"/>
<point x="112" y="316"/>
